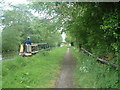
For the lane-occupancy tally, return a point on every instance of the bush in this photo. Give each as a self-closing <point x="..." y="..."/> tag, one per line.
<point x="91" y="74"/>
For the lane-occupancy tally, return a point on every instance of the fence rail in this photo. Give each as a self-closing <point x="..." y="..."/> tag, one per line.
<point x="99" y="59"/>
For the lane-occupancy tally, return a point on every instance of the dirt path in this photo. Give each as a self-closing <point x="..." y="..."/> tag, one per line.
<point x="66" y="74"/>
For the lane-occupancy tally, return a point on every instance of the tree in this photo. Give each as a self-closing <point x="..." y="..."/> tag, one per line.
<point x="20" y="23"/>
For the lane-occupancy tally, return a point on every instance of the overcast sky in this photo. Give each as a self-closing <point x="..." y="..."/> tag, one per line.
<point x="16" y="1"/>
<point x="25" y="1"/>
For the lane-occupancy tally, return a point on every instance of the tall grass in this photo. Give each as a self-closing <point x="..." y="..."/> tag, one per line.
<point x="38" y="71"/>
<point x="91" y="74"/>
<point x="0" y="74"/>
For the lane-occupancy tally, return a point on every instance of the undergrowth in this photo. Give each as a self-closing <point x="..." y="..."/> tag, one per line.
<point x="92" y="74"/>
<point x="38" y="71"/>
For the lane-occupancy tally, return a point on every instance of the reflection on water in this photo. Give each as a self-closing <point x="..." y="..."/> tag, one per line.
<point x="0" y="57"/>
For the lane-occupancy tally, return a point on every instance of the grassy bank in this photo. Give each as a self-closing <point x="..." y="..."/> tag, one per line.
<point x="0" y="74"/>
<point x="38" y="71"/>
<point x="91" y="74"/>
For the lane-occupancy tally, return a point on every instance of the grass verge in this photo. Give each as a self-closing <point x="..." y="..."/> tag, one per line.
<point x="91" y="74"/>
<point x="38" y="71"/>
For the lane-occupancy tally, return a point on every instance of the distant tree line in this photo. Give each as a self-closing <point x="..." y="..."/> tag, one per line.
<point x="20" y="22"/>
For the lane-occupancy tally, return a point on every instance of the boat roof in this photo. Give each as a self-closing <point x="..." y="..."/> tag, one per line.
<point x="41" y="43"/>
<point x="34" y="44"/>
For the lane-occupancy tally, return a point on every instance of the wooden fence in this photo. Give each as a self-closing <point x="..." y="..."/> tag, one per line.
<point x="99" y="59"/>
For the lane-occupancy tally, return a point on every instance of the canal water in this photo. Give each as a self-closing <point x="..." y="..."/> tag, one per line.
<point x="9" y="55"/>
<point x="0" y="57"/>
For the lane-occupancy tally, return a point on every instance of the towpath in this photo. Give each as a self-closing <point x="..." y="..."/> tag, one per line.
<point x="65" y="79"/>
